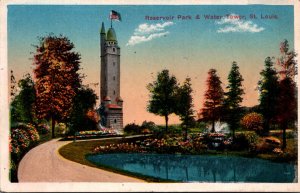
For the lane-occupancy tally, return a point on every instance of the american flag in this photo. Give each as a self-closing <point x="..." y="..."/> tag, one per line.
<point x="115" y="15"/>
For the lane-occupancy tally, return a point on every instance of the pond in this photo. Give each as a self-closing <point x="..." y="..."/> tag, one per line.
<point x="199" y="168"/>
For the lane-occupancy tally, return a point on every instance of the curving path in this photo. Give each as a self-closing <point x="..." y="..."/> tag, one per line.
<point x="44" y="164"/>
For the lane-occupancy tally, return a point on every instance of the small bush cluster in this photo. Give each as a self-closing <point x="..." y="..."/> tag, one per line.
<point x="22" y="138"/>
<point x="43" y="128"/>
<point x="132" y="128"/>
<point x="245" y="141"/>
<point x="94" y="133"/>
<point x="119" y="148"/>
<point x="147" y="127"/>
<point x="164" y="145"/>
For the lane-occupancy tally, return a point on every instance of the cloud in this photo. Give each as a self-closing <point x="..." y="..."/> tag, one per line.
<point x="152" y="28"/>
<point x="147" y="32"/>
<point x="237" y="25"/>
<point x="136" y="39"/>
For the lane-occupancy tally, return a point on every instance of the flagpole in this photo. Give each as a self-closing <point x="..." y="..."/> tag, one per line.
<point x="110" y="22"/>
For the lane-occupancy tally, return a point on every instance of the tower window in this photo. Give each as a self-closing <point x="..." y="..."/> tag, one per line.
<point x="114" y="49"/>
<point x="114" y="92"/>
<point x="114" y="78"/>
<point x="114" y="63"/>
<point x="115" y="120"/>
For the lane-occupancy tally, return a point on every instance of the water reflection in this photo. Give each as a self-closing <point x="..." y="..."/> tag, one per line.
<point x="199" y="168"/>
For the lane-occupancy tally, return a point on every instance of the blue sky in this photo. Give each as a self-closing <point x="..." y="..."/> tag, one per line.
<point x="185" y="47"/>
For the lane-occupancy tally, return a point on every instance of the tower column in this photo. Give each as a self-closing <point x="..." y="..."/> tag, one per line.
<point x="110" y="79"/>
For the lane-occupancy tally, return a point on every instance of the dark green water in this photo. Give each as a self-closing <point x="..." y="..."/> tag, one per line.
<point x="199" y="168"/>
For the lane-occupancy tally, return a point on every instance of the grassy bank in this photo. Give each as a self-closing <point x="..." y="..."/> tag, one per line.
<point x="84" y="148"/>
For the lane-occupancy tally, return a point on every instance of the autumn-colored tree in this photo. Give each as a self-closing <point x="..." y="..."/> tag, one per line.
<point x="268" y="87"/>
<point x="287" y="102"/>
<point x="93" y="115"/>
<point x="184" y="104"/>
<point x="163" y="95"/>
<point x="287" y="106"/>
<point x="233" y="98"/>
<point x="287" y="61"/>
<point x="253" y="121"/>
<point x="214" y="96"/>
<point x="57" y="78"/>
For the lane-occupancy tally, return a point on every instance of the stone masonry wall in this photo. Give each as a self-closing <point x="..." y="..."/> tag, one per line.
<point x="115" y="119"/>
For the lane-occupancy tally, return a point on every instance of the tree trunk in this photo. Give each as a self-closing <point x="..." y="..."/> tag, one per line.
<point x="266" y="128"/>
<point x="53" y="127"/>
<point x="233" y="133"/>
<point x="284" y="126"/>
<point x="185" y="133"/>
<point x="213" y="126"/>
<point x="167" y="119"/>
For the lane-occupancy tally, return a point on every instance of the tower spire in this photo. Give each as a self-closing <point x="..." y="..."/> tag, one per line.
<point x="102" y="28"/>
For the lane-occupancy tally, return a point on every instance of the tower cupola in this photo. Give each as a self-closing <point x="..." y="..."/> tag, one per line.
<point x="111" y="35"/>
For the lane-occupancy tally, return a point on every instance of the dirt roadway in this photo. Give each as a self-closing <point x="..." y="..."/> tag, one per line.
<point x="44" y="164"/>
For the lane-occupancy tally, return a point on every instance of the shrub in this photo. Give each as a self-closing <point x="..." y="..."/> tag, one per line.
<point x="202" y="126"/>
<point x="164" y="145"/>
<point x="21" y="137"/>
<point x="94" y="133"/>
<point x="175" y="129"/>
<point x="32" y="132"/>
<point x="13" y="171"/>
<point x="245" y="140"/>
<point x="252" y="121"/>
<point x="43" y="128"/>
<point x="151" y="126"/>
<point x="61" y="128"/>
<point x="19" y="140"/>
<point x="132" y="128"/>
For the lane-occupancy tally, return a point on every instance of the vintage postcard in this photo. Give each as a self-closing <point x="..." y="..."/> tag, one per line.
<point x="149" y="96"/>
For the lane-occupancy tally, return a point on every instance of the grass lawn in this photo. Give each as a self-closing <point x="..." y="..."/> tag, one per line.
<point x="83" y="148"/>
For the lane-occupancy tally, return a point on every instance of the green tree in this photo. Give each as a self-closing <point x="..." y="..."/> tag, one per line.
<point x="163" y="95"/>
<point x="233" y="98"/>
<point x="214" y="97"/>
<point x="268" y="87"/>
<point x="23" y="105"/>
<point x="57" y="78"/>
<point x="84" y="100"/>
<point x="13" y="86"/>
<point x="185" y="105"/>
